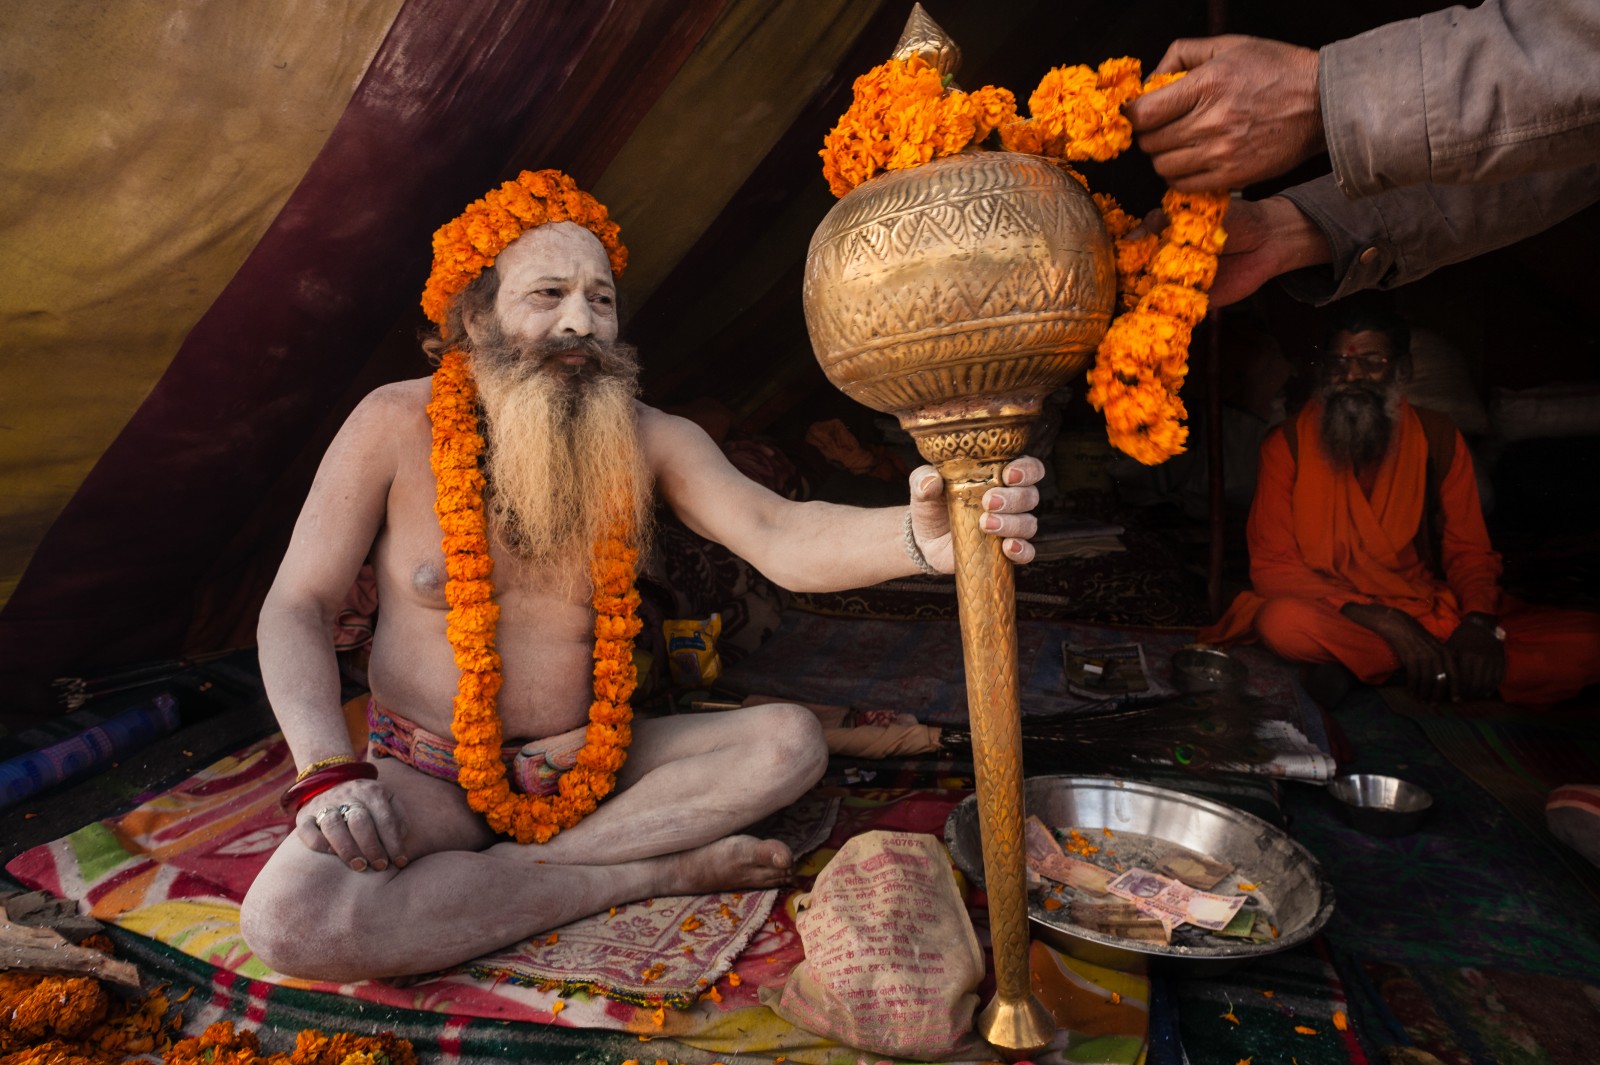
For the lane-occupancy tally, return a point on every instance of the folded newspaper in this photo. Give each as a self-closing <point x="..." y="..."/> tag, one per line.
<point x="1106" y="671"/>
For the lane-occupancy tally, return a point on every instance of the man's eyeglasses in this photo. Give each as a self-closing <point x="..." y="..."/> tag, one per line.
<point x="1345" y="363"/>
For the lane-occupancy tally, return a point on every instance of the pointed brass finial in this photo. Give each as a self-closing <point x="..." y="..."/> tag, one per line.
<point x="924" y="37"/>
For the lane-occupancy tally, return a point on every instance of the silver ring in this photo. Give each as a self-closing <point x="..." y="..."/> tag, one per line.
<point x="323" y="814"/>
<point x="1442" y="676"/>
<point x="346" y="807"/>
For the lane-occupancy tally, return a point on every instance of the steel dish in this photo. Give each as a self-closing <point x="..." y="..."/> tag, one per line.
<point x="1289" y="883"/>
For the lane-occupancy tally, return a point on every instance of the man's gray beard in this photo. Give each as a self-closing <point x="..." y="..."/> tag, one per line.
<point x="564" y="463"/>
<point x="1358" y="422"/>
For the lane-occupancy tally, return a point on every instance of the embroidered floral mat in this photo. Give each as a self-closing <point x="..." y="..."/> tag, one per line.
<point x="170" y="873"/>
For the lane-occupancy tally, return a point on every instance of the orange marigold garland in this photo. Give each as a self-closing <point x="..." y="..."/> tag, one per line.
<point x="902" y="116"/>
<point x="465" y="245"/>
<point x="470" y="627"/>
<point x="1142" y="359"/>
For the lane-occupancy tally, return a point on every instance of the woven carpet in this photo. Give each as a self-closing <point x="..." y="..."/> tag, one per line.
<point x="1517" y="756"/>
<point x="1472" y="939"/>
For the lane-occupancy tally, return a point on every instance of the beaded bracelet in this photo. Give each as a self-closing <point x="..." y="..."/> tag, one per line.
<point x="338" y="759"/>
<point x="303" y="791"/>
<point x="914" y="550"/>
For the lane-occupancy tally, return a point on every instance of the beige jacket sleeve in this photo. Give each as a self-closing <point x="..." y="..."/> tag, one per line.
<point x="1464" y="96"/>
<point x="1395" y="237"/>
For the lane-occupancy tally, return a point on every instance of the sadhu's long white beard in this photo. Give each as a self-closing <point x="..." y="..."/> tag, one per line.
<point x="564" y="463"/>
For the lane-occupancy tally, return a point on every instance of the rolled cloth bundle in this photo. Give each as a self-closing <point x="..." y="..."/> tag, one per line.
<point x="1199" y="731"/>
<point x="866" y="733"/>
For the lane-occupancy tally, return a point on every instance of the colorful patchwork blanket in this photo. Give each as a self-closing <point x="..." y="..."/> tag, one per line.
<point x="690" y="969"/>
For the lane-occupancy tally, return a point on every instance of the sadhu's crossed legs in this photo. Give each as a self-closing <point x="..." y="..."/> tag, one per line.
<point x="1551" y="654"/>
<point x="689" y="782"/>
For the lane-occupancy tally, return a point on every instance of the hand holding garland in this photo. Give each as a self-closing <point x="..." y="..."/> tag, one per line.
<point x="1248" y="111"/>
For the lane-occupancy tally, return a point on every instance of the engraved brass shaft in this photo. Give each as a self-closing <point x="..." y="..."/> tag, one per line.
<point x="957" y="295"/>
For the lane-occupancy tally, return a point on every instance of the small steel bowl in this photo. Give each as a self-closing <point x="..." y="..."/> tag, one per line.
<point x="1206" y="669"/>
<point x="1379" y="805"/>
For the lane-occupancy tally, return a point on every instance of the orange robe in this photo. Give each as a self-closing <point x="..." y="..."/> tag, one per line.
<point x="1319" y="538"/>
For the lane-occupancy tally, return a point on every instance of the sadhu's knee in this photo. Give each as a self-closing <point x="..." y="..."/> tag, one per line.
<point x="297" y="929"/>
<point x="1290" y="628"/>
<point x="791" y="751"/>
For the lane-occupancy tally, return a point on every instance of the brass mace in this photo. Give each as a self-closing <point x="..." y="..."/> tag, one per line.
<point x="957" y="295"/>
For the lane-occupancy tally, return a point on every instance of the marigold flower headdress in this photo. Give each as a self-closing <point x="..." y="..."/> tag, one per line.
<point x="904" y="114"/>
<point x="468" y="243"/>
<point x="462" y="249"/>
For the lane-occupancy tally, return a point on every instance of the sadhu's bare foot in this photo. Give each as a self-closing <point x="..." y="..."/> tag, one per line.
<point x="731" y="864"/>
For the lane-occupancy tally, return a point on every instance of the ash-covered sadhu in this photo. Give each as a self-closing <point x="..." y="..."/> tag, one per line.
<point x="503" y="504"/>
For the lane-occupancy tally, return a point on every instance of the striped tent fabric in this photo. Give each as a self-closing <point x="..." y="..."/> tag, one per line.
<point x="217" y="225"/>
<point x="215" y="228"/>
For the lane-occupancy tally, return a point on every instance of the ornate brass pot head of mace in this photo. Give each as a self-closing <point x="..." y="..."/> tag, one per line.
<point x="957" y="295"/>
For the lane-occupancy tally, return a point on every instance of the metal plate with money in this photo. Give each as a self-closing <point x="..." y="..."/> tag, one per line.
<point x="1138" y="826"/>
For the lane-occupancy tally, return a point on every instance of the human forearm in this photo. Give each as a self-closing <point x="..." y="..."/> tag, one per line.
<point x="825" y="547"/>
<point x="301" y="674"/>
<point x="1427" y="662"/>
<point x="1463" y="96"/>
<point x="1396" y="237"/>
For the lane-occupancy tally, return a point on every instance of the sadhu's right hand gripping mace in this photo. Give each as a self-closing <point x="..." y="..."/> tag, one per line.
<point x="957" y="295"/>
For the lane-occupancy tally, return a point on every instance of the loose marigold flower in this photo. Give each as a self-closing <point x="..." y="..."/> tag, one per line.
<point x="1303" y="1030"/>
<point x="1340" y="1021"/>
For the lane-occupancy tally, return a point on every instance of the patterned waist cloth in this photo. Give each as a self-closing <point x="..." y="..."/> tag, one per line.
<point x="534" y="767"/>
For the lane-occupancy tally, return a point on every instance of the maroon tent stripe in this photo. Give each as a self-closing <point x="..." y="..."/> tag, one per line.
<point x="454" y="90"/>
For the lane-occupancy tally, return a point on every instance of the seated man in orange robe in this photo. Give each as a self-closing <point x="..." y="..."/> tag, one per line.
<point x="1368" y="546"/>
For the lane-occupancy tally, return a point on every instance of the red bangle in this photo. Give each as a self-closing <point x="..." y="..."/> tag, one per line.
<point x="301" y="792"/>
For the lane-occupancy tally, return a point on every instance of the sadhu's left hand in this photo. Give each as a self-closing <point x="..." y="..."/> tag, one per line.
<point x="1008" y="512"/>
<point x="1478" y="661"/>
